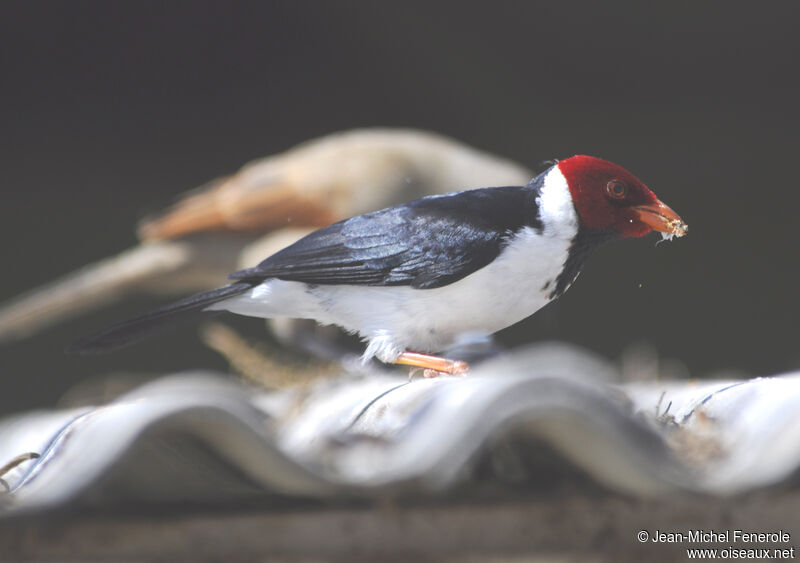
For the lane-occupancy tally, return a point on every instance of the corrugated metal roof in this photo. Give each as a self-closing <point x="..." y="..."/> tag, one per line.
<point x="207" y="437"/>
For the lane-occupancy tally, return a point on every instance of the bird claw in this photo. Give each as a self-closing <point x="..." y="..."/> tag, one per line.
<point x="414" y="373"/>
<point x="428" y="373"/>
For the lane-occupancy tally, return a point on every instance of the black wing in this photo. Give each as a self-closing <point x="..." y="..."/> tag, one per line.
<point x="427" y="243"/>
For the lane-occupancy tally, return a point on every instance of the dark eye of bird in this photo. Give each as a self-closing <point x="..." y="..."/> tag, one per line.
<point x="616" y="189"/>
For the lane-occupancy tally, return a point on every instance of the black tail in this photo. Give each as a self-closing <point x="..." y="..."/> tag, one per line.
<point x="135" y="329"/>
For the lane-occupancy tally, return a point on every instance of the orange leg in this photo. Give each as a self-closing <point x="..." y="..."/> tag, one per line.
<point x="433" y="364"/>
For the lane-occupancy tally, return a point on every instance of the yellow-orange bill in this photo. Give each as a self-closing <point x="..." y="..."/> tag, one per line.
<point x="659" y="217"/>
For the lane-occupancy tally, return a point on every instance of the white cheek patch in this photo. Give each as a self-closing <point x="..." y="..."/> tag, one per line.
<point x="556" y="209"/>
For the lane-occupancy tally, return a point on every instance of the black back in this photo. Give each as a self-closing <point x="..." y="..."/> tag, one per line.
<point x="427" y="243"/>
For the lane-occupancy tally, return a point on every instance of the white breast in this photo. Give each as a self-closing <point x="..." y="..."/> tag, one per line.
<point x="394" y="319"/>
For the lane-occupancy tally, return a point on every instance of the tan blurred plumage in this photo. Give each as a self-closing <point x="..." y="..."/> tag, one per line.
<point x="332" y="178"/>
<point x="215" y="229"/>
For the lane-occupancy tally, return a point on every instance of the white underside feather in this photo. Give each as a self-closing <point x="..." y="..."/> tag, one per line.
<point x="398" y="318"/>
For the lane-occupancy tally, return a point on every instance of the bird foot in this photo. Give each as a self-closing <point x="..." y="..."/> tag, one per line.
<point x="428" y="373"/>
<point x="431" y="366"/>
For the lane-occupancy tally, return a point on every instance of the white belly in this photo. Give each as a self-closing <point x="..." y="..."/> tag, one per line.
<point x="394" y="319"/>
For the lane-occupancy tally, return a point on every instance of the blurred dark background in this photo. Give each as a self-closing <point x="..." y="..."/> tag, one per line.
<point x="111" y="109"/>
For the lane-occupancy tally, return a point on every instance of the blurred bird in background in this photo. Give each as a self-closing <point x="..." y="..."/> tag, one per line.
<point x="233" y="222"/>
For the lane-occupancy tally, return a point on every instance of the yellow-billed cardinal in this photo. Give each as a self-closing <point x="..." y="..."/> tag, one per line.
<point x="411" y="278"/>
